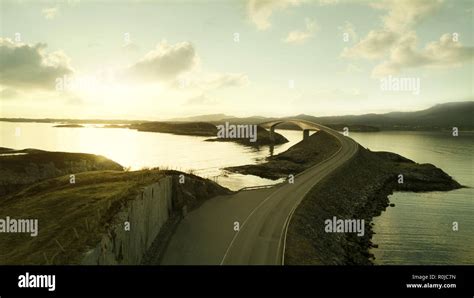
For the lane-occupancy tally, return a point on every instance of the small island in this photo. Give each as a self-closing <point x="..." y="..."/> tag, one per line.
<point x="262" y="138"/>
<point x="178" y="128"/>
<point x="70" y="125"/>
<point x="209" y="130"/>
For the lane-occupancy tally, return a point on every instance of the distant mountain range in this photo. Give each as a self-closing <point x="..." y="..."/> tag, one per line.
<point x="203" y="118"/>
<point x="438" y="117"/>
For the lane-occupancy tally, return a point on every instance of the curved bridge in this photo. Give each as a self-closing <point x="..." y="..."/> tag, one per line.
<point x="306" y="126"/>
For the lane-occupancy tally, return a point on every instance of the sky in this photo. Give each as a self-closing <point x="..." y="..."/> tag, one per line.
<point x="163" y="59"/>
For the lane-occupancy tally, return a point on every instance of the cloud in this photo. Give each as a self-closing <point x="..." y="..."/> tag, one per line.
<point x="400" y="17"/>
<point x="403" y="14"/>
<point x="29" y="66"/>
<point x="374" y="46"/>
<point x="260" y="11"/>
<point x="300" y="37"/>
<point x="176" y="67"/>
<point x="50" y="13"/>
<point x="166" y="62"/>
<point x="446" y="52"/>
<point x="396" y="42"/>
<point x="8" y="93"/>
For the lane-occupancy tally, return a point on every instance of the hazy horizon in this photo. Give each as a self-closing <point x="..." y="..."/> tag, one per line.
<point x="215" y="114"/>
<point x="158" y="60"/>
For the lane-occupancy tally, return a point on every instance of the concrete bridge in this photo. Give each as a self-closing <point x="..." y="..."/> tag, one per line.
<point x="306" y="126"/>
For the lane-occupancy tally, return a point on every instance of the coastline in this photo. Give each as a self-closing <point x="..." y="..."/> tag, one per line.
<point x="358" y="190"/>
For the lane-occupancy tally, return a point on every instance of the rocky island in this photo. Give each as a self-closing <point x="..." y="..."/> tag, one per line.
<point x="69" y="125"/>
<point x="209" y="130"/>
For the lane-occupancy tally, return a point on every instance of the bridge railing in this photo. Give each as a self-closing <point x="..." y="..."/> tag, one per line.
<point x="258" y="187"/>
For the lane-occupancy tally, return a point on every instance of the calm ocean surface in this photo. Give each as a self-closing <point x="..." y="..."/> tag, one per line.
<point x="419" y="229"/>
<point x="137" y="150"/>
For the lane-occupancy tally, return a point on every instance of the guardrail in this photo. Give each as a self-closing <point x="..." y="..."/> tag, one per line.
<point x="258" y="187"/>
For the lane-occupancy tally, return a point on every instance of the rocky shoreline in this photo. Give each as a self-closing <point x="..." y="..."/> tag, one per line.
<point x="357" y="190"/>
<point x="296" y="159"/>
<point x="205" y="129"/>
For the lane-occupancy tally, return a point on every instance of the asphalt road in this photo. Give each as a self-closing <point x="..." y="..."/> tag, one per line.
<point x="207" y="235"/>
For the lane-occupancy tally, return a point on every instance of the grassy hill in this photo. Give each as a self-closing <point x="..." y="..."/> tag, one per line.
<point x="20" y="168"/>
<point x="72" y="218"/>
<point x="441" y="116"/>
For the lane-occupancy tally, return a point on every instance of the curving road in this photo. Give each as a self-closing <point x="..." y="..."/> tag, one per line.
<point x="207" y="236"/>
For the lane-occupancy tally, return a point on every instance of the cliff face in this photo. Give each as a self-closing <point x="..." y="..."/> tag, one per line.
<point x="135" y="227"/>
<point x="20" y="168"/>
<point x="148" y="214"/>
